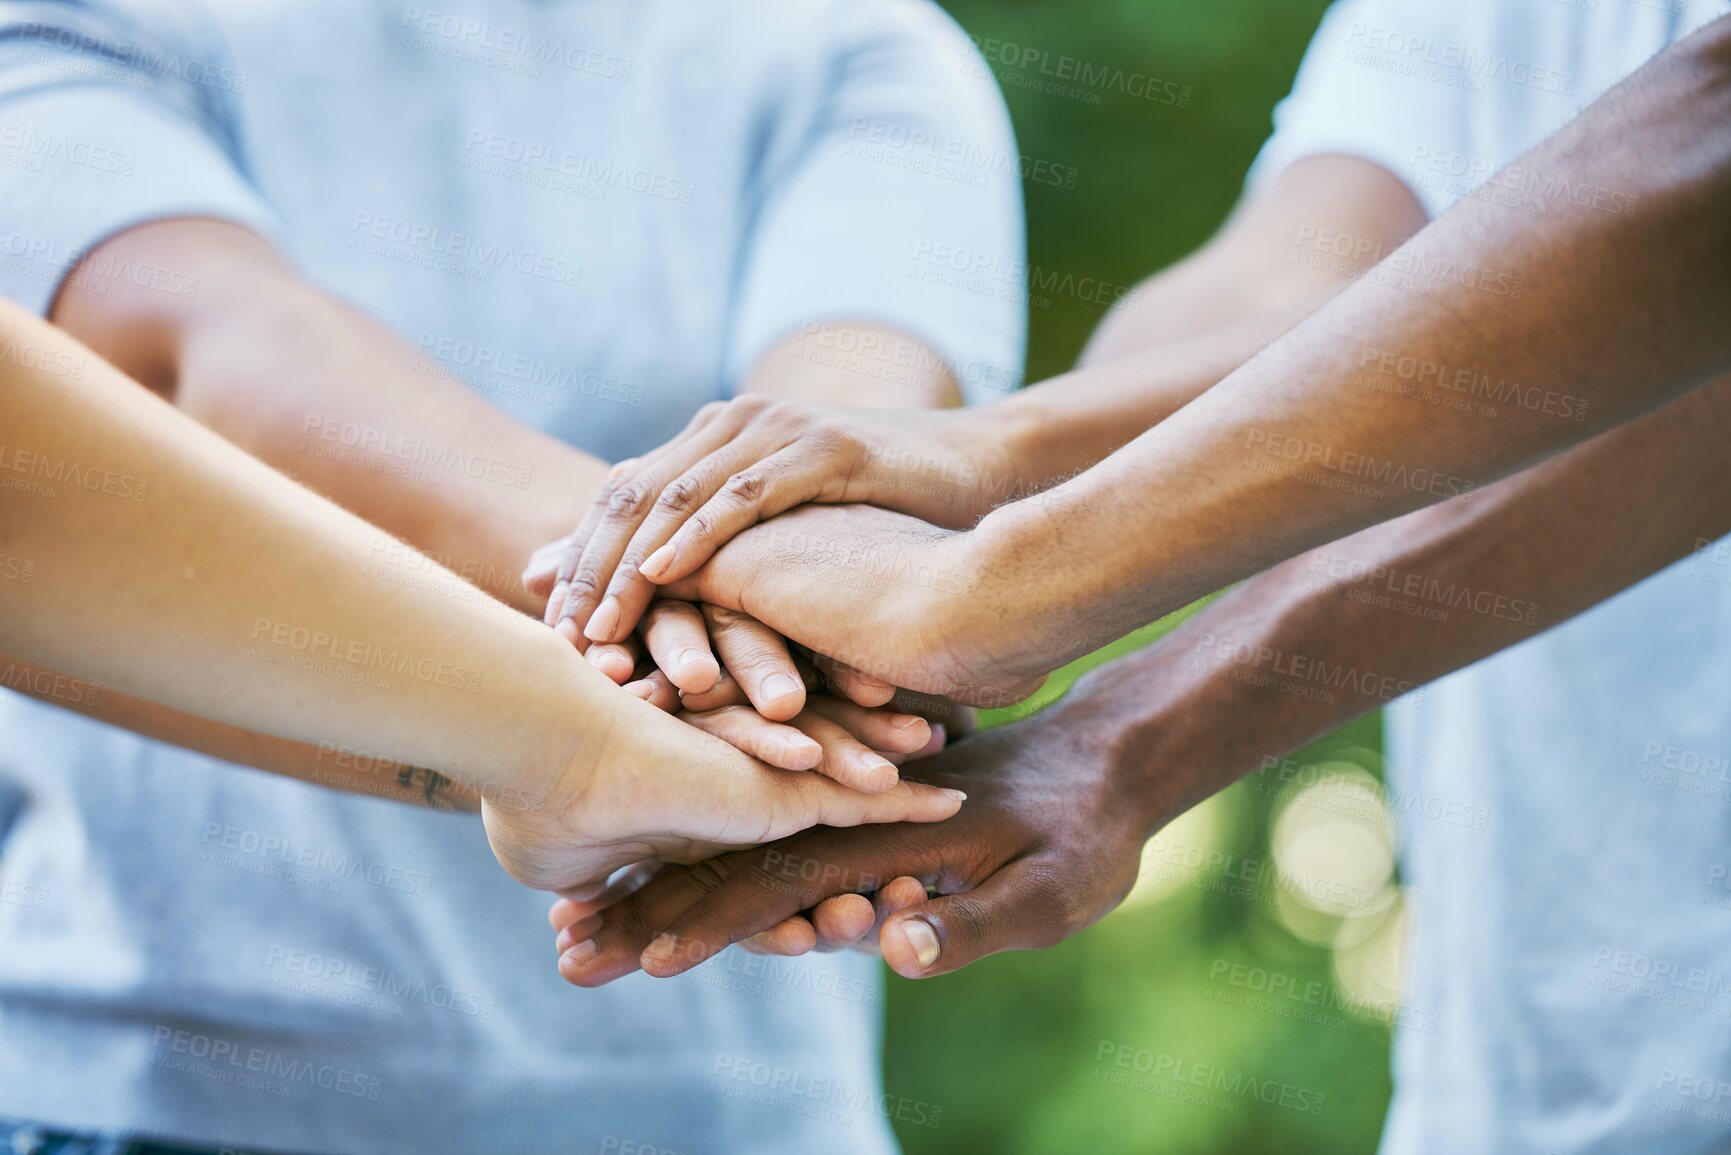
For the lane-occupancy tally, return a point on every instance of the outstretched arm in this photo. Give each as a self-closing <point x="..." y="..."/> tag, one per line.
<point x="1371" y="407"/>
<point x="1594" y="318"/>
<point x="1177" y="334"/>
<point x="1061" y="803"/>
<point x="243" y="598"/>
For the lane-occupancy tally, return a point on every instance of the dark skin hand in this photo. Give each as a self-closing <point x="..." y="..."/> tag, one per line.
<point x="1048" y="844"/>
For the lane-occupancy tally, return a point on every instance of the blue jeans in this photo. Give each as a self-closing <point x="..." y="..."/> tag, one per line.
<point x="29" y="1139"/>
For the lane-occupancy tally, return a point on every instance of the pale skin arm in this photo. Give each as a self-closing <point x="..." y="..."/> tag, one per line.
<point x="246" y="599"/>
<point x="327" y="764"/>
<point x="289" y="372"/>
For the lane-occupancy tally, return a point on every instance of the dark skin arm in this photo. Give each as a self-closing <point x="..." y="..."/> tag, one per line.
<point x="1060" y="804"/>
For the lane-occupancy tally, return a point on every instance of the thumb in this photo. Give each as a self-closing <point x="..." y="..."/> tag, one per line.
<point x="542" y="567"/>
<point x="1021" y="907"/>
<point x="725" y="579"/>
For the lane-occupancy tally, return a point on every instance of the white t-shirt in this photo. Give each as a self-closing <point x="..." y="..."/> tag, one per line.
<point x="599" y="215"/>
<point x="1573" y="957"/>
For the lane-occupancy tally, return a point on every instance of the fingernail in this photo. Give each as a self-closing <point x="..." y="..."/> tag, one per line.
<point x="604" y="621"/>
<point x="779" y="686"/>
<point x="922" y="938"/>
<point x="580" y="954"/>
<point x="805" y="750"/>
<point x="661" y="950"/>
<point x="645" y="689"/>
<point x="906" y="721"/>
<point x="880" y="772"/>
<point x="609" y="661"/>
<point x="689" y="659"/>
<point x="567" y="629"/>
<point x="956" y="794"/>
<point x="658" y="562"/>
<point x="578" y="932"/>
<point x="556" y="601"/>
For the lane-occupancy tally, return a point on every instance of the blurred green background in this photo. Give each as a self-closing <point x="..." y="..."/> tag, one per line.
<point x="1268" y="995"/>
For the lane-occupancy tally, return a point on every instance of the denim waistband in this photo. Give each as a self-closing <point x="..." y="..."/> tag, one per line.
<point x="29" y="1139"/>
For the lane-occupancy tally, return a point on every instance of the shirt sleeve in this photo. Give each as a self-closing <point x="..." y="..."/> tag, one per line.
<point x="105" y="123"/>
<point x="906" y="153"/>
<point x="1369" y="87"/>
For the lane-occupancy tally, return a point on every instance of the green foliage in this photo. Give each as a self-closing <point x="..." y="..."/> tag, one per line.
<point x="1008" y="1049"/>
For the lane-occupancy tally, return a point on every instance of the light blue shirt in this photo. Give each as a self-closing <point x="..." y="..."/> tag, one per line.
<point x="599" y="214"/>
<point x="1569" y="958"/>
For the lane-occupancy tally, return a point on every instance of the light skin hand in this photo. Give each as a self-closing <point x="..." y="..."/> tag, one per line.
<point x="1183" y="725"/>
<point x="1048" y="844"/>
<point x="660" y="516"/>
<point x="237" y="571"/>
<point x="1184" y="329"/>
<point x="897" y="599"/>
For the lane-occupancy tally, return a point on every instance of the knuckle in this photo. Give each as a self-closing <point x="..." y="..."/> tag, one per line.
<point x="829" y="439"/>
<point x="701" y="525"/>
<point x="968" y="923"/>
<point x="663" y="611"/>
<point x="682" y="495"/>
<point x="585" y="583"/>
<point x="745" y="487"/>
<point x="628" y="500"/>
<point x="721" y="618"/>
<point x="1058" y="908"/>
<point x="709" y="875"/>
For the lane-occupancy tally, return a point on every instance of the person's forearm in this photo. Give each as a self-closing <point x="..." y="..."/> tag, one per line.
<point x="329" y="764"/>
<point x="1348" y="627"/>
<point x="840" y="362"/>
<point x="169" y="565"/>
<point x="1615" y="314"/>
<point x="1186" y="327"/>
<point x="1066" y="424"/>
<point x="313" y="387"/>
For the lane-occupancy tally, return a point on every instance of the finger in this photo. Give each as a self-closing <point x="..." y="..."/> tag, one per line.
<point x="882" y="730"/>
<point x="627" y="504"/>
<point x="759" y="661"/>
<point x="754" y="487"/>
<point x="845" y="759"/>
<point x="760" y="885"/>
<point x="656" y="689"/>
<point x="843" y="921"/>
<point x="542" y="568"/>
<point x="678" y="640"/>
<point x="775" y="743"/>
<point x="790" y="938"/>
<point x="816" y="800"/>
<point x="850" y="683"/>
<point x="899" y="895"/>
<point x="583" y="572"/>
<point x="736" y="896"/>
<point x="726" y="692"/>
<point x="732" y="473"/>
<point x="1018" y="908"/>
<point x="575" y="903"/>
<point x="617" y="662"/>
<point x="803" y="800"/>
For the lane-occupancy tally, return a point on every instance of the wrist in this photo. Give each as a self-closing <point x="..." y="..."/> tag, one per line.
<point x="553" y="722"/>
<point x="1002" y="615"/>
<point x="959" y="466"/>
